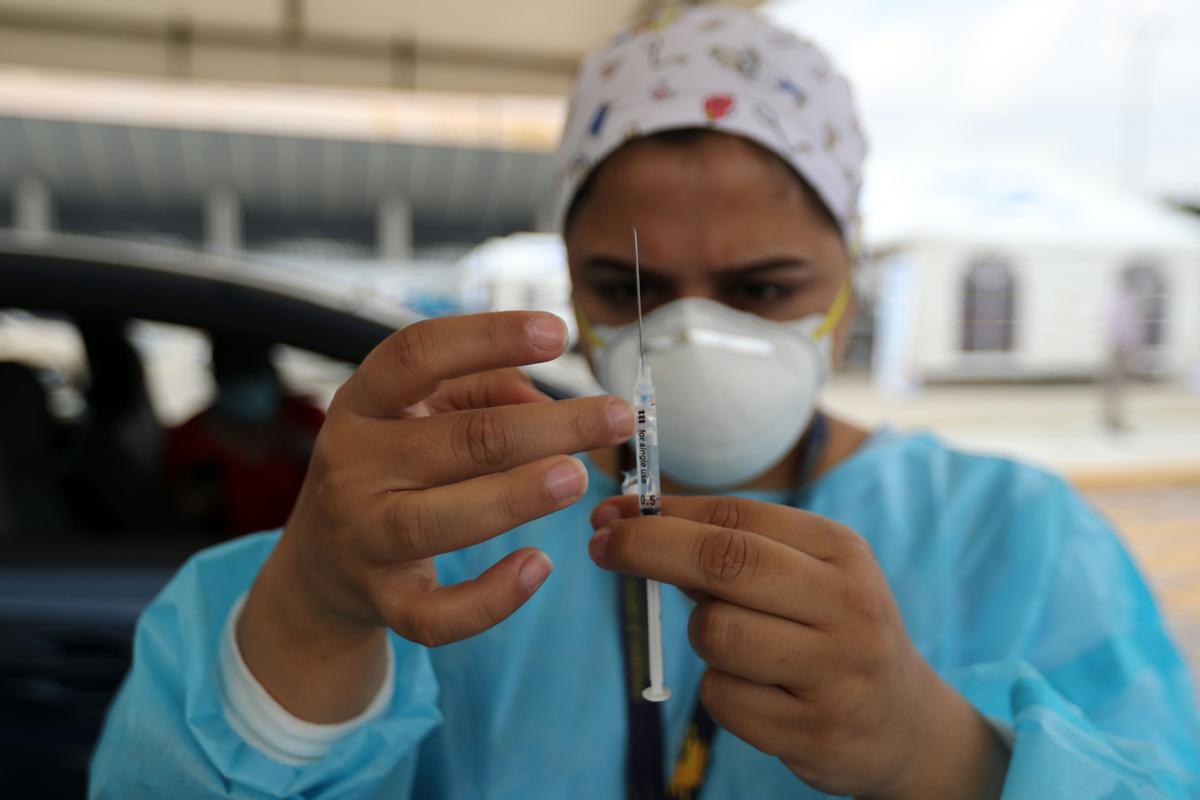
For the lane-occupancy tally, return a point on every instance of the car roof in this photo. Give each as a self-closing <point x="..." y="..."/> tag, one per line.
<point x="89" y="276"/>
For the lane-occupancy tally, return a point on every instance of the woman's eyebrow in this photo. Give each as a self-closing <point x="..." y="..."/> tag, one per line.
<point x="619" y="268"/>
<point x="610" y="264"/>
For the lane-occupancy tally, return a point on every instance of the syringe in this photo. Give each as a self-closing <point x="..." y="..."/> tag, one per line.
<point x="649" y="490"/>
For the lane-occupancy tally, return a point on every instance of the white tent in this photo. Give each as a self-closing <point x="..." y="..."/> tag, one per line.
<point x="994" y="268"/>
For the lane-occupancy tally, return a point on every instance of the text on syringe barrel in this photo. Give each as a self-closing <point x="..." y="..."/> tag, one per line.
<point x="649" y="495"/>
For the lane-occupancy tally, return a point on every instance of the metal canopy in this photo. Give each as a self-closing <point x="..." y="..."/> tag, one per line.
<point x="457" y="45"/>
<point x="110" y="178"/>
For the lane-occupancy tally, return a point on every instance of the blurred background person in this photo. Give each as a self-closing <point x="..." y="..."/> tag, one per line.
<point x="32" y="490"/>
<point x="237" y="466"/>
<point x="116" y="478"/>
<point x="1123" y="339"/>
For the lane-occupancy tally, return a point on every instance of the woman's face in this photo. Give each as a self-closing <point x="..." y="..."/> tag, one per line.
<point x="717" y="218"/>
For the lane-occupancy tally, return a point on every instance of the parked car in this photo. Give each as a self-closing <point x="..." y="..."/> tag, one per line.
<point x="70" y="593"/>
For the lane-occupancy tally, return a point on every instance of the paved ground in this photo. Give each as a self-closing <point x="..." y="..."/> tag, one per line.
<point x="1057" y="426"/>
<point x="1147" y="479"/>
<point x="1162" y="526"/>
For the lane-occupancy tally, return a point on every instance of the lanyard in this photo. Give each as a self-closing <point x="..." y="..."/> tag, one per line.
<point x="644" y="776"/>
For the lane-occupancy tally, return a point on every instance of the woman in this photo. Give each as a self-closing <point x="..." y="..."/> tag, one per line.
<point x="933" y="624"/>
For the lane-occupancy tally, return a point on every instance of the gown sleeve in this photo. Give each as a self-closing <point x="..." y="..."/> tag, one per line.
<point x="167" y="734"/>
<point x="1069" y="652"/>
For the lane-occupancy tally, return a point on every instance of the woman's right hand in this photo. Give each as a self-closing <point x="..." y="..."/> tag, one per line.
<point x="434" y="444"/>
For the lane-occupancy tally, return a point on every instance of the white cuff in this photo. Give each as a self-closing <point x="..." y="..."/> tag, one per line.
<point x="269" y="727"/>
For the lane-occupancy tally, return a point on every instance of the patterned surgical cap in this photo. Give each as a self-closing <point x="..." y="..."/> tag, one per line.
<point x="724" y="69"/>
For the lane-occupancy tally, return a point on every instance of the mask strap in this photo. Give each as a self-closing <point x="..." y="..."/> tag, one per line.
<point x="585" y="328"/>
<point x="836" y="311"/>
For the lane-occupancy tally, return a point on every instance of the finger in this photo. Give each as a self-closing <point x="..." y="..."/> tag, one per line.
<point x="499" y="387"/>
<point x="759" y="647"/>
<point x="755" y="713"/>
<point x="409" y="365"/>
<point x="451" y="613"/>
<point x="819" y="537"/>
<point x="420" y="524"/>
<point x="734" y="565"/>
<point x="464" y="444"/>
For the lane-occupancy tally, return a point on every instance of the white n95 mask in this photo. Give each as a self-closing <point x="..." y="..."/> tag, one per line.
<point x="734" y="391"/>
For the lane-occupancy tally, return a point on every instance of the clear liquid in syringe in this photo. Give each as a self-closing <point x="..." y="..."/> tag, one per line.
<point x="649" y="498"/>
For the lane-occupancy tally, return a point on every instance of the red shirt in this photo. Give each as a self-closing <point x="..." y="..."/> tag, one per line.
<point x="229" y="481"/>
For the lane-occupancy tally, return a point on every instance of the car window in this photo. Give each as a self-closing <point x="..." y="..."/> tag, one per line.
<point x="311" y="374"/>
<point x="115" y="446"/>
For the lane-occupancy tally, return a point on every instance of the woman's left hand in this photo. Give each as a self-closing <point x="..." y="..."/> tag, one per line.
<point x="808" y="657"/>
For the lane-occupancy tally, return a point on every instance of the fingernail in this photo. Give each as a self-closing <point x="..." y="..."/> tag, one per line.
<point x="547" y="333"/>
<point x="599" y="544"/>
<point x="566" y="481"/>
<point x="534" y="571"/>
<point x="606" y="514"/>
<point x="620" y="418"/>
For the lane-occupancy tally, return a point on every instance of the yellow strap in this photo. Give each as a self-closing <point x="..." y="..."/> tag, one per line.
<point x="585" y="328"/>
<point x="836" y="311"/>
<point x="690" y="768"/>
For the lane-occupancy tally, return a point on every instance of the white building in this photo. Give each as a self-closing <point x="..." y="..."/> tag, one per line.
<point x="987" y="269"/>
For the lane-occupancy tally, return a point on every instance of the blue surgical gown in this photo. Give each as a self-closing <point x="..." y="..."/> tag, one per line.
<point x="1012" y="588"/>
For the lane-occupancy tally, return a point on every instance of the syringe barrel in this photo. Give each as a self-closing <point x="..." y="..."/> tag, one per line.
<point x="646" y="450"/>
<point x="657" y="690"/>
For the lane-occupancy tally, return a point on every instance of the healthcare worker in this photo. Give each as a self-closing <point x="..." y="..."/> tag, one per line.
<point x="932" y="624"/>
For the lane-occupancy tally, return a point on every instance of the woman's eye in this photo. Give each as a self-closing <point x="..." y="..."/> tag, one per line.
<point x="617" y="292"/>
<point x="625" y="293"/>
<point x="763" y="292"/>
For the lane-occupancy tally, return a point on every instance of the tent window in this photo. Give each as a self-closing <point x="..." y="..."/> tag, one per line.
<point x="989" y="306"/>
<point x="1149" y="291"/>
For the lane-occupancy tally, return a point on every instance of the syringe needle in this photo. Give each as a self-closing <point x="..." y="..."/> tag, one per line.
<point x="637" y="282"/>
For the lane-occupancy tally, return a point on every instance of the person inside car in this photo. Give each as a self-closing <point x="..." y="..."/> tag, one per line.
<point x="116" y="484"/>
<point x="33" y="497"/>
<point x="237" y="466"/>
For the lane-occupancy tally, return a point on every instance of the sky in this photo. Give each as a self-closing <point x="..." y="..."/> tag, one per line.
<point x="1110" y="88"/>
